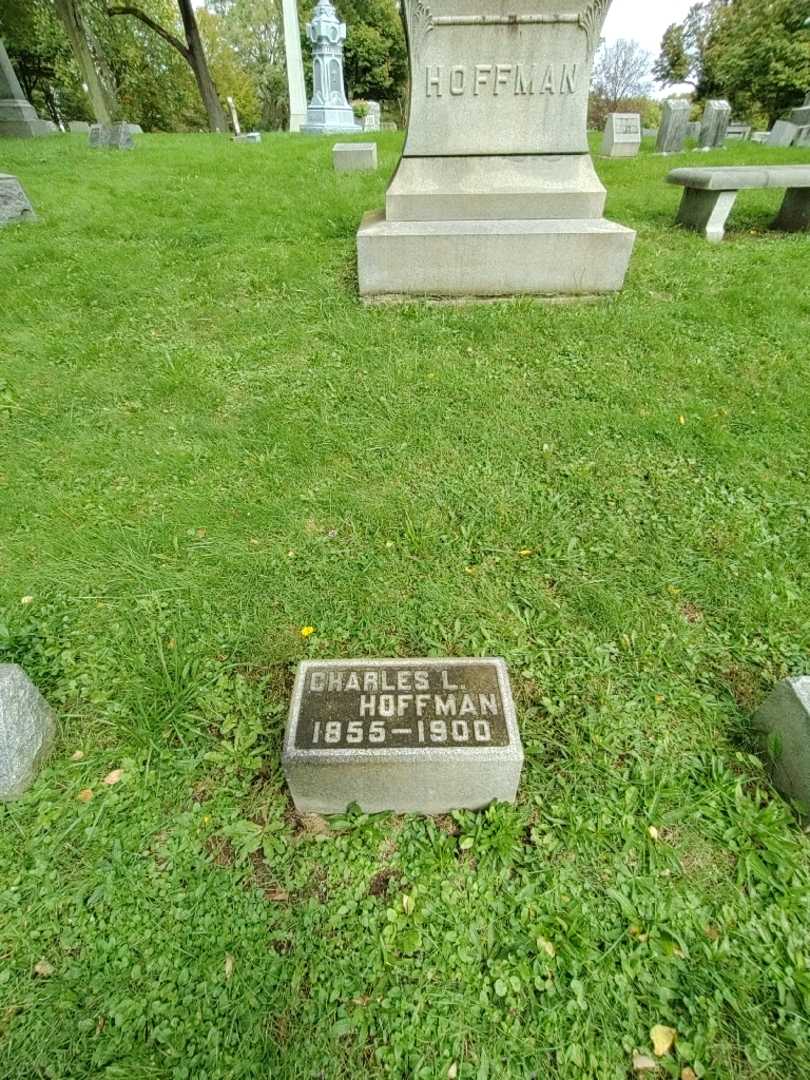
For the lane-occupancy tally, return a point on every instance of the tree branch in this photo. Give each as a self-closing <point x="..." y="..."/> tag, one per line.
<point x="138" y="14"/>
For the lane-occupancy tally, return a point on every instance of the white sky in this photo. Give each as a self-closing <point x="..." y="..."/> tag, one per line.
<point x="644" y="20"/>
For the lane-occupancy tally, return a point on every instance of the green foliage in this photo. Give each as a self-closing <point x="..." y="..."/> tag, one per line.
<point x="760" y="55"/>
<point x="612" y="496"/>
<point x="375" y="54"/>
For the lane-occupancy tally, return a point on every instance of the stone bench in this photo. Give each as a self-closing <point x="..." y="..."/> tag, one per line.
<point x="710" y="194"/>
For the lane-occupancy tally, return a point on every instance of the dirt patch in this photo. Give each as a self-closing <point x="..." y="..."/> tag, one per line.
<point x="380" y="883"/>
<point x="744" y="686"/>
<point x="220" y="849"/>
<point x="691" y="612"/>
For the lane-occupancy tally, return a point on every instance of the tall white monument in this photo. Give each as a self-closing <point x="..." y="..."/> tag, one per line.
<point x="496" y="193"/>
<point x="295" y="65"/>
<point x="329" y="111"/>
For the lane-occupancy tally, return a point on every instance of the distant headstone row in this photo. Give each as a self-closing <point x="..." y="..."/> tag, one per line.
<point x="795" y="131"/>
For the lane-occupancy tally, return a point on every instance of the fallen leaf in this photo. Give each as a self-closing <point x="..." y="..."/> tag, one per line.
<point x="654" y="833"/>
<point x="27" y="600"/>
<point x="43" y="969"/>
<point x="113" y="777"/>
<point x="642" y="1063"/>
<point x="278" y="896"/>
<point x="452" y="1072"/>
<point x="525" y="553"/>
<point x="546" y="946"/>
<point x="681" y="419"/>
<point x="85" y="795"/>
<point x="229" y="963"/>
<point x="688" y="1074"/>
<point x="662" y="1039"/>
<point x="408" y="904"/>
<point x="77" y="755"/>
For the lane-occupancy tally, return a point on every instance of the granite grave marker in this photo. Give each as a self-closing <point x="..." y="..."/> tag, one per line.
<point x="421" y="735"/>
<point x="27" y="728"/>
<point x="714" y="125"/>
<point x="674" y="126"/>
<point x="14" y="203"/>
<point x="329" y="111"/>
<point x="622" y="137"/>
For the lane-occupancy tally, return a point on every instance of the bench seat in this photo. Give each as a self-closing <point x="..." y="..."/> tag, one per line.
<point x="711" y="192"/>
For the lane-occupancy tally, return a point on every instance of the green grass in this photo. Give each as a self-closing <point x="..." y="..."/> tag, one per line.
<point x="206" y="443"/>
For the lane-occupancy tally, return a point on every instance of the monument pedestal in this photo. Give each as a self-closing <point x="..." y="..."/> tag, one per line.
<point x="496" y="193"/>
<point x="513" y="257"/>
<point x="18" y="118"/>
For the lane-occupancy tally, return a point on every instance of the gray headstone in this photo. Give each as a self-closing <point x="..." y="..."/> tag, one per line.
<point x="783" y="722"/>
<point x="740" y="132"/>
<point x="388" y="125"/>
<point x="18" y="118"/>
<point x="78" y="127"/>
<point x="693" y="129"/>
<point x="714" y="126"/>
<point x="759" y="136"/>
<point x="496" y="193"/>
<point x="116" y="136"/>
<point x="674" y="126"/>
<point x="783" y="133"/>
<point x="248" y="137"/>
<point x="622" y="137"/>
<point x="803" y="137"/>
<point x="329" y="112"/>
<point x="354" y="157"/>
<point x="421" y="736"/>
<point x="14" y="204"/>
<point x="27" y="728"/>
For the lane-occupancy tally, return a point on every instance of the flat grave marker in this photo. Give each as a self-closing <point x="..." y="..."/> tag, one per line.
<point x="418" y="735"/>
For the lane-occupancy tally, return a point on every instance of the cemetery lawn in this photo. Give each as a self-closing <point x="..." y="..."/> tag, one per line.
<point x="207" y="444"/>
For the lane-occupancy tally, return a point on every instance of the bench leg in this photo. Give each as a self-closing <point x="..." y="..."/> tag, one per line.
<point x="706" y="212"/>
<point x="794" y="215"/>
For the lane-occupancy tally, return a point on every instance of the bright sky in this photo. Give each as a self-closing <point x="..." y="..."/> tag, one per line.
<point x="644" y="20"/>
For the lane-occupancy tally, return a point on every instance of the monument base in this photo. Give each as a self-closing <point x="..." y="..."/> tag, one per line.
<point x="14" y="204"/>
<point x="332" y="120"/>
<point x="563" y="257"/>
<point x="19" y="120"/>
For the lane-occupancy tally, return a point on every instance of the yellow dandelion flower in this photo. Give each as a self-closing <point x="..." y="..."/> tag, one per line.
<point x="307" y="631"/>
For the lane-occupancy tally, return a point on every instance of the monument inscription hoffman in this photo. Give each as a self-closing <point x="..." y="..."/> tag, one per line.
<point x="495" y="193"/>
<point x="420" y="735"/>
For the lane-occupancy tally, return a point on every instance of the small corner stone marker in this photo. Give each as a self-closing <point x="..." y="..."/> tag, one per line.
<point x="27" y="727"/>
<point x="422" y="736"/>
<point x="783" y="722"/>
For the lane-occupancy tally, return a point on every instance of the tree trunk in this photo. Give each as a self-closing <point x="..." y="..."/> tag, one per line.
<point x="192" y="52"/>
<point x="102" y="98"/>
<point x="216" y="115"/>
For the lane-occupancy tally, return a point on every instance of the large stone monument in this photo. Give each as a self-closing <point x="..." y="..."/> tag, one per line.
<point x="716" y="118"/>
<point x="329" y="111"/>
<point x="420" y="736"/>
<point x="295" y="65"/>
<point x="496" y="193"/>
<point x="17" y="116"/>
<point x="622" y="137"/>
<point x="674" y="126"/>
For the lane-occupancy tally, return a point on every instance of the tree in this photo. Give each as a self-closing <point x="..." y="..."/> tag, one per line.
<point x="683" y="57"/>
<point x="93" y="68"/>
<point x="375" y="55"/>
<point x="621" y="71"/>
<point x="759" y="54"/>
<point x="192" y="51"/>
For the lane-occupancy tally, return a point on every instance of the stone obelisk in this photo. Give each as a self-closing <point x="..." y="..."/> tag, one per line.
<point x="295" y="66"/>
<point x="329" y="111"/>
<point x="17" y="116"/>
<point x="496" y="193"/>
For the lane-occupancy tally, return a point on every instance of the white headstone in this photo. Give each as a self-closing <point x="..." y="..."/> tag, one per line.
<point x="622" y="136"/>
<point x="496" y="193"/>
